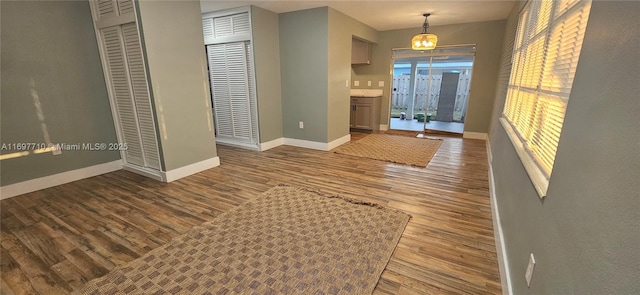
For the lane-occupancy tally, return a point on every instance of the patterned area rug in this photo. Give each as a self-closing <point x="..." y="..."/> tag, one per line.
<point x="393" y="148"/>
<point x="286" y="241"/>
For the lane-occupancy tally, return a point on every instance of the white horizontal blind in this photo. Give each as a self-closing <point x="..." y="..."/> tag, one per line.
<point x="546" y="51"/>
<point x="121" y="89"/>
<point x="229" y="75"/>
<point x="140" y="88"/>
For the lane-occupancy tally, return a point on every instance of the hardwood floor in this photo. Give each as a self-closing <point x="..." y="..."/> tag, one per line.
<point x="55" y="240"/>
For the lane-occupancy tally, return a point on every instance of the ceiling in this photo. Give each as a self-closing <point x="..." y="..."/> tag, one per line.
<point x="388" y="15"/>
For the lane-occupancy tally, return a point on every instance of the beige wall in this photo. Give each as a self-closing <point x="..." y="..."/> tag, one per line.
<point x="266" y="45"/>
<point x="488" y="37"/>
<point x="52" y="85"/>
<point x="175" y="53"/>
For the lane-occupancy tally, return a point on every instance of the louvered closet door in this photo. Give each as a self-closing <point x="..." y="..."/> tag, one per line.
<point x="121" y="88"/>
<point x="131" y="94"/>
<point x="137" y="74"/>
<point x="109" y="8"/>
<point x="228" y="66"/>
<point x="224" y="26"/>
<point x="253" y="104"/>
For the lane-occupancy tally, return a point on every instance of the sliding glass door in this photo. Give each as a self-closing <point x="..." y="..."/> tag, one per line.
<point x="430" y="89"/>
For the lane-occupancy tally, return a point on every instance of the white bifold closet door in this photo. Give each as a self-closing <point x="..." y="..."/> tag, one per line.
<point x="233" y="91"/>
<point x="130" y="91"/>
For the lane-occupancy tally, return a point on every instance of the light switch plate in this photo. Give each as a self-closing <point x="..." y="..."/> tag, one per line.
<point x="380" y="83"/>
<point x="356" y="83"/>
<point x="529" y="273"/>
<point x="368" y="83"/>
<point x="346" y="83"/>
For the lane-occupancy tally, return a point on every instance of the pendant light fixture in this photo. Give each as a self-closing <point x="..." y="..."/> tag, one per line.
<point x="424" y="41"/>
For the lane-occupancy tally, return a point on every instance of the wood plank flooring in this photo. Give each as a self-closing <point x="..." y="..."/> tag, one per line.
<point x="55" y="240"/>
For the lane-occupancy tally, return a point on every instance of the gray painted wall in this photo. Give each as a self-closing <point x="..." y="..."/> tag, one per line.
<point x="342" y="28"/>
<point x="177" y="69"/>
<point x="584" y="234"/>
<point x="49" y="49"/>
<point x="303" y="64"/>
<point x="315" y="55"/>
<point x="488" y="37"/>
<point x="266" y="45"/>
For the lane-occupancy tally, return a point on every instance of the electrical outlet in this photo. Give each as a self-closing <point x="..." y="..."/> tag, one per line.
<point x="368" y="83"/>
<point x="301" y="125"/>
<point x="356" y="83"/>
<point x="380" y="83"/>
<point x="529" y="273"/>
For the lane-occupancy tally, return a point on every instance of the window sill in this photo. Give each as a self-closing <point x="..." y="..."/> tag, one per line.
<point x="539" y="180"/>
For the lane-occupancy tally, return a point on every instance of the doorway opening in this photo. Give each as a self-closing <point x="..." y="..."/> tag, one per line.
<point x="430" y="89"/>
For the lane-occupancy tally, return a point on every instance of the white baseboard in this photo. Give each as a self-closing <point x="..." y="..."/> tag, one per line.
<point x="271" y="144"/>
<point x="322" y="146"/>
<point x="306" y="144"/>
<point x="37" y="184"/>
<point x="384" y="127"/>
<point x="338" y="142"/>
<point x="153" y="174"/>
<point x="251" y="146"/>
<point x="503" y="262"/>
<point x="194" y="168"/>
<point x="295" y="142"/>
<point x="475" y="135"/>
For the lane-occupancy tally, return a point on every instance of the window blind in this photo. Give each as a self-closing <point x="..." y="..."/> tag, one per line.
<point x="545" y="57"/>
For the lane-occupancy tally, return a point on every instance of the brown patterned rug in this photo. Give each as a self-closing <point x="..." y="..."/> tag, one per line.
<point x="393" y="148"/>
<point x="288" y="240"/>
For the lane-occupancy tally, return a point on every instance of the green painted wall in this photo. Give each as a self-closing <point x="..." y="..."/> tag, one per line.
<point x="304" y="74"/>
<point x="177" y="69"/>
<point x="342" y="28"/>
<point x="584" y="234"/>
<point x="315" y="56"/>
<point x="51" y="79"/>
<point x="488" y="37"/>
<point x="266" y="44"/>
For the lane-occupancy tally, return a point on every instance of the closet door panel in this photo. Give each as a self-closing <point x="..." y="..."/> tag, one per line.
<point x="122" y="93"/>
<point x="105" y="8"/>
<point x="220" y="90"/>
<point x="229" y="83"/>
<point x="252" y="92"/>
<point x="239" y="90"/>
<point x="125" y="6"/>
<point x="142" y="101"/>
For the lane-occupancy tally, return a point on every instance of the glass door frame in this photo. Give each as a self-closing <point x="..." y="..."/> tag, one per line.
<point x="446" y="50"/>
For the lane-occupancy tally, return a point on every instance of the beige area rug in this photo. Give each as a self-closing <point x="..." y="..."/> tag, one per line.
<point x="393" y="148"/>
<point x="288" y="240"/>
